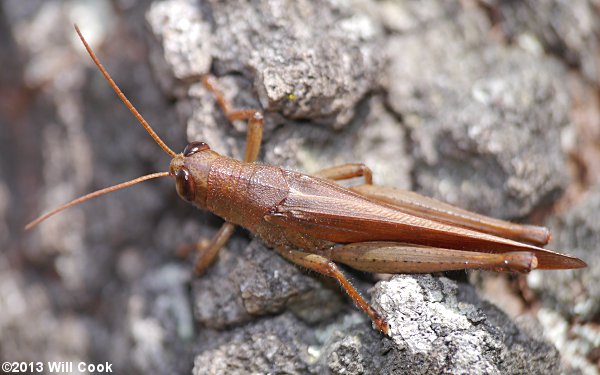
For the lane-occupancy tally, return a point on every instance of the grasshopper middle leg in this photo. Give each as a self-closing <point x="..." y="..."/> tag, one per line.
<point x="327" y="267"/>
<point x="347" y="171"/>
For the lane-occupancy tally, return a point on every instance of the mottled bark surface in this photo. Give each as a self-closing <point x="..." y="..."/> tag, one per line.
<point x="492" y="106"/>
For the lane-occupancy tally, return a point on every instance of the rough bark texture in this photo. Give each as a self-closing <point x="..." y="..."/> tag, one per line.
<point x="490" y="105"/>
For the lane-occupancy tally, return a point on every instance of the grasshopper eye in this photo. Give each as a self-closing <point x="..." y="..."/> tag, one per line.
<point x="194" y="147"/>
<point x="185" y="185"/>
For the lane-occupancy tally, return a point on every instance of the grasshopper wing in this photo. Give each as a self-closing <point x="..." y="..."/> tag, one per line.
<point x="325" y="210"/>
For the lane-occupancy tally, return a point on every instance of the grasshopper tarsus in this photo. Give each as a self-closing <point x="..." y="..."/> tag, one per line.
<point x="232" y="114"/>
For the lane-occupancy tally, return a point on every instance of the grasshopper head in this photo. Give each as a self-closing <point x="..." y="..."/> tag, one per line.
<point x="190" y="170"/>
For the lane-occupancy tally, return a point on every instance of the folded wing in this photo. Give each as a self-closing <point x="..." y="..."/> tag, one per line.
<point x="328" y="211"/>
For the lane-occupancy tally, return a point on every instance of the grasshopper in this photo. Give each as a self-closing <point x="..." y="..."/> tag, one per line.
<point x="314" y="222"/>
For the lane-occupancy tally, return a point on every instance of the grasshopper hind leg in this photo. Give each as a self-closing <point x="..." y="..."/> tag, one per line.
<point x="396" y="257"/>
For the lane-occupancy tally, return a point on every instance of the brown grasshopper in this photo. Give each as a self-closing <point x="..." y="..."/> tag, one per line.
<point x="313" y="222"/>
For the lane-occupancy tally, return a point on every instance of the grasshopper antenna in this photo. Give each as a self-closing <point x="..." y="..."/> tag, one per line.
<point x="142" y="121"/>
<point x="94" y="194"/>
<point x="122" y="96"/>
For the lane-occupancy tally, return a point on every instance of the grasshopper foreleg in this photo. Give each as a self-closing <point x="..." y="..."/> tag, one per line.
<point x="207" y="253"/>
<point x="254" y="117"/>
